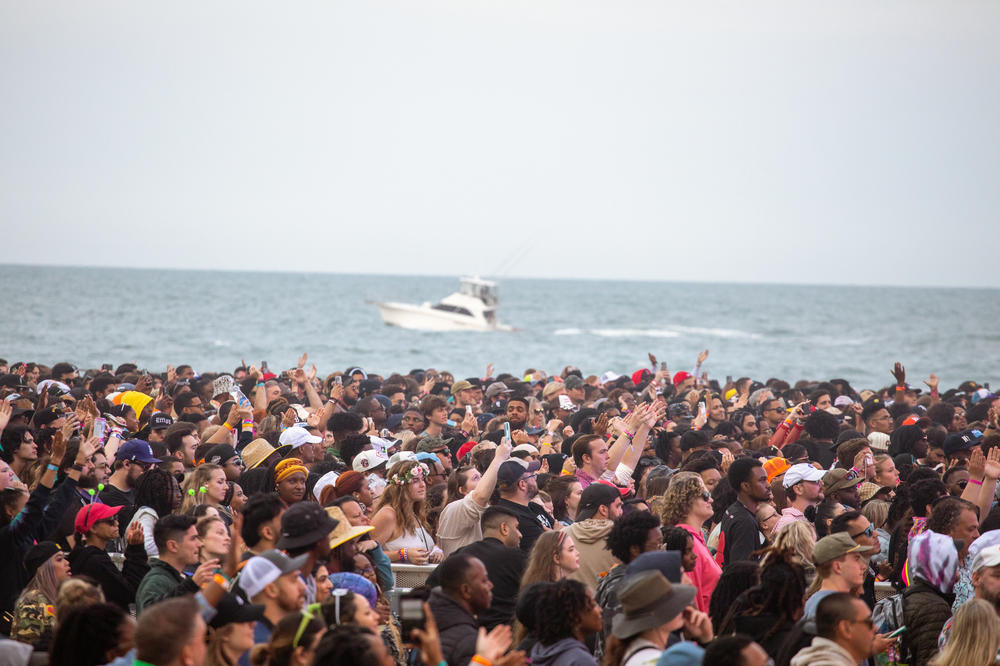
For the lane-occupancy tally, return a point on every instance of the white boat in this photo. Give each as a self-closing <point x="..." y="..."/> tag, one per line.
<point x="472" y="308"/>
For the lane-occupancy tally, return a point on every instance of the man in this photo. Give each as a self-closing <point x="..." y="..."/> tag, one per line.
<point x="65" y="372"/>
<point x="842" y="485"/>
<point x="172" y="633"/>
<point x="840" y="566"/>
<point x="517" y="413"/>
<point x="305" y="530"/>
<point x="434" y="410"/>
<point x="132" y="459"/>
<point x="741" y="535"/>
<point x="413" y="420"/>
<point x="370" y="407"/>
<point x="98" y="524"/>
<point x="518" y="486"/>
<point x="600" y="506"/>
<point x="465" y="396"/>
<point x="876" y="417"/>
<point x="862" y="532"/>
<point x="772" y="410"/>
<point x="182" y="440"/>
<point x="823" y="429"/>
<point x="188" y="402"/>
<point x="177" y="541"/>
<point x="958" y="446"/>
<point x="499" y="550"/>
<point x="261" y="523"/>
<point x="845" y="633"/>
<point x="439" y="448"/>
<point x="272" y="580"/>
<point x="226" y="457"/>
<point x="590" y="454"/>
<point x="496" y="394"/>
<point x="575" y="389"/>
<point x="465" y="591"/>
<point x="736" y="650"/>
<point x="158" y="424"/>
<point x="985" y="583"/>
<point x="694" y="440"/>
<point x="803" y="488"/>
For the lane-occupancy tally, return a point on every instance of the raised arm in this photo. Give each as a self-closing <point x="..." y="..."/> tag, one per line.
<point x="484" y="489"/>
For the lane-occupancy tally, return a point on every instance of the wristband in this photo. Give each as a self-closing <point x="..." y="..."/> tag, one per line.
<point x="978" y="483"/>
<point x="259" y="384"/>
<point x="54" y="468"/>
<point x="628" y="434"/>
<point x="476" y="659"/>
<point x="229" y="427"/>
<point x="221" y="581"/>
<point x="77" y="468"/>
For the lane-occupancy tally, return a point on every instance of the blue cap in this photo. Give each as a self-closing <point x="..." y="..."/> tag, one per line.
<point x="424" y="455"/>
<point x="684" y="653"/>
<point x="138" y="450"/>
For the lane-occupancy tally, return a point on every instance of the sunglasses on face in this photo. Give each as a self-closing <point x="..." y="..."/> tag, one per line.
<point x="707" y="496"/>
<point x="868" y="532"/>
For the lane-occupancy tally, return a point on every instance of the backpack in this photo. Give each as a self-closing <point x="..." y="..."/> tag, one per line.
<point x="888" y="617"/>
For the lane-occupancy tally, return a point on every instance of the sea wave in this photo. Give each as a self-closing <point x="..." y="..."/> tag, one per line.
<point x="717" y="332"/>
<point x="634" y="333"/>
<point x="568" y="331"/>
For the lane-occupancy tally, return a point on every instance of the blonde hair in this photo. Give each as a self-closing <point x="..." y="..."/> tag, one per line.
<point x="975" y="636"/>
<point x="877" y="513"/>
<point x="201" y="475"/>
<point x="798" y="539"/>
<point x="74" y="593"/>
<point x="684" y="489"/>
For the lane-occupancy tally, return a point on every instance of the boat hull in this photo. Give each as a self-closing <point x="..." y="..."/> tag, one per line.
<point x="424" y="318"/>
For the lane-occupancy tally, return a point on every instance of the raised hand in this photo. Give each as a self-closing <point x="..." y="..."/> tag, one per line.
<point x="171" y="374"/>
<point x="337" y="392"/>
<point x="311" y="375"/>
<point x="991" y="469"/>
<point x="288" y="418"/>
<point x="932" y="383"/>
<point x="652" y="359"/>
<point x="489" y="371"/>
<point x="494" y="644"/>
<point x="58" y="449"/>
<point x="702" y="356"/>
<point x="5" y="411"/>
<point x="977" y="463"/>
<point x="601" y="425"/>
<point x="204" y="572"/>
<point x="144" y="384"/>
<point x="134" y="535"/>
<point x="299" y="376"/>
<point x="899" y="372"/>
<point x="428" y="639"/>
<point x="302" y="361"/>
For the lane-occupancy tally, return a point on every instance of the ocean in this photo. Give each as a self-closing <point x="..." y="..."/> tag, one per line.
<point x="212" y="320"/>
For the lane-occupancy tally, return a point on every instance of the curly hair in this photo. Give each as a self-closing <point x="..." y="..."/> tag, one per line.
<point x="684" y="489"/>
<point x="559" y="610"/>
<point x="347" y="644"/>
<point x="736" y="579"/>
<point x="198" y="478"/>
<point x="155" y="488"/>
<point x="780" y="593"/>
<point x="631" y="530"/>
<point x="86" y="634"/>
<point x="410" y="514"/>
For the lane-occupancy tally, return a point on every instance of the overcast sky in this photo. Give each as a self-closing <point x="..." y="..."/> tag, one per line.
<point x="831" y="142"/>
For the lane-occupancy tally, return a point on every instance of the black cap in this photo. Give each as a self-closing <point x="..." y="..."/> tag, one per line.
<point x="11" y="380"/>
<point x="594" y="496"/>
<point x="159" y="421"/>
<point x="43" y="417"/>
<point x="219" y="454"/>
<point x="511" y="471"/>
<point x="304" y="523"/>
<point x="233" y="608"/>
<point x="962" y="441"/>
<point x="38" y="555"/>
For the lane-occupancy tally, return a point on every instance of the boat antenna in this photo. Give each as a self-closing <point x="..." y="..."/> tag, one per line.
<point x="512" y="260"/>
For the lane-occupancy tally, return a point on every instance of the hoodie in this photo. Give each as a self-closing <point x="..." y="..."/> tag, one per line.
<point x="119" y="586"/>
<point x="457" y="627"/>
<point x="823" y="652"/>
<point x="565" y="652"/>
<point x="590" y="537"/>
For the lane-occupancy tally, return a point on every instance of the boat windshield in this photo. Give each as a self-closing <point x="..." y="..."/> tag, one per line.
<point x="444" y="307"/>
<point x="487" y="293"/>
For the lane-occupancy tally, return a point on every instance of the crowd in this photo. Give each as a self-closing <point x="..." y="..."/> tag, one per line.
<point x="261" y="517"/>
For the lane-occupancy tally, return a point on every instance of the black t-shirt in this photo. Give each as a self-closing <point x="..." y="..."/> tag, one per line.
<point x="505" y="566"/>
<point x="532" y="521"/>
<point x="125" y="499"/>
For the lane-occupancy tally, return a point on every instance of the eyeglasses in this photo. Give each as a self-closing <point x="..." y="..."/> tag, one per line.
<point x="308" y="614"/>
<point x="707" y="496"/>
<point x="868" y="532"/>
<point x="867" y="621"/>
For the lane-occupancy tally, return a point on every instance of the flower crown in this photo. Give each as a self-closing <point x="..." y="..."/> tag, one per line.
<point x="418" y="471"/>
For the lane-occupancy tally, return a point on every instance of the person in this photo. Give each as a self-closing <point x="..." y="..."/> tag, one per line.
<point x="741" y="536"/>
<point x="261" y="523"/>
<point x="171" y="633"/>
<point x="132" y="459"/>
<point x="205" y="485"/>
<point x="736" y="650"/>
<point x="499" y="551"/>
<point x="518" y="485"/>
<point x="975" y="636"/>
<point x="271" y="579"/>
<point x="178" y="543"/>
<point x="157" y="494"/>
<point x="92" y="634"/>
<point x="652" y="608"/>
<point x="294" y="640"/>
<point x="98" y="525"/>
<point x="933" y="559"/>
<point x="468" y="496"/>
<point x="566" y="614"/>
<point x="465" y="592"/>
<point x="840" y="567"/>
<point x="47" y="568"/>
<point x="845" y="633"/>
<point x="231" y="630"/>
<point x="841" y="485"/>
<point x="985" y="583"/>
<point x="400" y="518"/>
<point x="565" y="491"/>
<point x="215" y="539"/>
<point x="600" y="507"/>
<point x="688" y="504"/>
<point x="290" y="480"/>
<point x="553" y="558"/>
<point x="305" y="530"/>
<point x="803" y="486"/>
<point x="957" y="518"/>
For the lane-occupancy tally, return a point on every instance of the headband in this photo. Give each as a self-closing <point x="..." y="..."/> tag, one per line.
<point x="287" y="467"/>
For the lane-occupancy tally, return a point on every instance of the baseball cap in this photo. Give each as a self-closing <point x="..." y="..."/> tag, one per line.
<point x="801" y="472"/>
<point x="962" y="441"/>
<point x="681" y="376"/>
<point x="460" y="385"/>
<point x="159" y="421"/>
<point x="262" y="570"/>
<point x="496" y="388"/>
<point x="511" y="471"/>
<point x="12" y="380"/>
<point x="429" y="444"/>
<point x="138" y="450"/>
<point x="366" y="461"/>
<point x="233" y="608"/>
<point x="609" y="376"/>
<point x="838" y="479"/>
<point x="304" y="523"/>
<point x="551" y="389"/>
<point x="44" y="417"/>
<point x="220" y="453"/>
<point x="90" y="514"/>
<point x="38" y="555"/>
<point x="296" y="436"/>
<point x="775" y="467"/>
<point x="987" y="557"/>
<point x="401" y="456"/>
<point x="836" y="545"/>
<point x="593" y="497"/>
<point x="527" y="448"/>
<point x="325" y="481"/>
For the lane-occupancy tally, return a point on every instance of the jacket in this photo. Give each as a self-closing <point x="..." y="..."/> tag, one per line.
<point x="505" y="566"/>
<point x="457" y="627"/>
<point x="161" y="582"/>
<point x="119" y="586"/>
<point x="741" y="535"/>
<point x="590" y="537"/>
<point x="707" y="571"/>
<point x="565" y="652"/>
<point x="925" y="611"/>
<point x="823" y="652"/>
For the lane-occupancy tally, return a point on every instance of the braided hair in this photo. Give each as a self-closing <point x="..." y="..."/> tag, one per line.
<point x="158" y="490"/>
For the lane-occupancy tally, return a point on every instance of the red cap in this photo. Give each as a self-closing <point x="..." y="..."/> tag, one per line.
<point x="90" y="514"/>
<point x="681" y="376"/>
<point x="464" y="449"/>
<point x="621" y="491"/>
<point x="639" y="375"/>
<point x="268" y="376"/>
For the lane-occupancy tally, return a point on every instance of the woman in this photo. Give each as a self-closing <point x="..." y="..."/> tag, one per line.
<point x="323" y="583"/>
<point x="92" y="635"/>
<point x="293" y="641"/>
<point x="214" y="537"/>
<point x="565" y="492"/>
<point x="826" y="511"/>
<point x="974" y="636"/>
<point x="290" y="480"/>
<point x="346" y="607"/>
<point x="553" y="557"/>
<point x="230" y="631"/>
<point x="364" y="586"/>
<point x="34" y="612"/>
<point x="688" y="504"/>
<point x="877" y="513"/>
<point x="797" y="539"/>
<point x="236" y="498"/>
<point x="566" y="614"/>
<point x="767" y="518"/>
<point x="353" y="484"/>
<point x="400" y="518"/>
<point x="205" y="485"/>
<point x="680" y="540"/>
<point x="933" y="566"/>
<point x="157" y="494"/>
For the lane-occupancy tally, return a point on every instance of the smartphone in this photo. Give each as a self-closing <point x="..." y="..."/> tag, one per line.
<point x="506" y="430"/>
<point x="869" y="461"/>
<point x="450" y="423"/>
<point x="663" y="365"/>
<point x="468" y="410"/>
<point x="729" y="379"/>
<point x="106" y="367"/>
<point x="701" y="409"/>
<point x="338" y="380"/>
<point x="411" y="615"/>
<point x="263" y="366"/>
<point x="897" y="632"/>
<point x="99" y="426"/>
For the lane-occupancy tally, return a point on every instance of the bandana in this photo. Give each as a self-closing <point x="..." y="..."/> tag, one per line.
<point x="934" y="558"/>
<point x="287" y="467"/>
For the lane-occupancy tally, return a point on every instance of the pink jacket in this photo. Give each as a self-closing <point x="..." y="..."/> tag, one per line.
<point x="706" y="571"/>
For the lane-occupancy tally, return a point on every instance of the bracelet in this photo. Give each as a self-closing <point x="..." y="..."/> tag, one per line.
<point x="221" y="581"/>
<point x="52" y="468"/>
<point x="259" y="384"/>
<point x="978" y="483"/>
<point x="228" y="427"/>
<point x="628" y="434"/>
<point x="77" y="468"/>
<point x="476" y="659"/>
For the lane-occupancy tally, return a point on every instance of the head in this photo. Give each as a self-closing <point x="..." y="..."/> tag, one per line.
<point x="565" y="609"/>
<point x="214" y="536"/>
<point x="209" y="477"/>
<point x="590" y="453"/>
<point x="736" y="650"/>
<point x="501" y="524"/>
<point x="262" y="521"/>
<point x="847" y="621"/>
<point x="406" y="493"/>
<point x="565" y="491"/>
<point x="290" y="480"/>
<point x="680" y="540"/>
<point x="600" y="501"/>
<point x="177" y="539"/>
<point x="93" y="634"/>
<point x="686" y="499"/>
<point x="464" y="579"/>
<point x="634" y="534"/>
<point x="552" y="558"/>
<point x="956" y="518"/>
<point x="171" y="632"/>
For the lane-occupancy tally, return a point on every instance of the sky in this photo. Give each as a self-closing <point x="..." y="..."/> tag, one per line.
<point x="836" y="143"/>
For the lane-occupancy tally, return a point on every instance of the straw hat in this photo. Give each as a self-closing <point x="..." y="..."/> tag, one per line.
<point x="344" y="531"/>
<point x="258" y="451"/>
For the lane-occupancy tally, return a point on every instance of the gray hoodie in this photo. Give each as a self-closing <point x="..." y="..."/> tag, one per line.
<point x="565" y="652"/>
<point x="823" y="652"/>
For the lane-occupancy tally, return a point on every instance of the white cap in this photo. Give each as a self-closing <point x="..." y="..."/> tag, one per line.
<point x="296" y="436"/>
<point x="527" y="448"/>
<point x="262" y="570"/>
<point x="382" y="445"/>
<point x="609" y="376"/>
<point x="400" y="456"/>
<point x="987" y="557"/>
<point x="801" y="472"/>
<point x="328" y="479"/>
<point x="842" y="401"/>
<point x="366" y="461"/>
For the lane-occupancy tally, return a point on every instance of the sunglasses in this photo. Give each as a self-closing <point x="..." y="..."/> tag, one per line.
<point x="868" y="532"/>
<point x="707" y="496"/>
